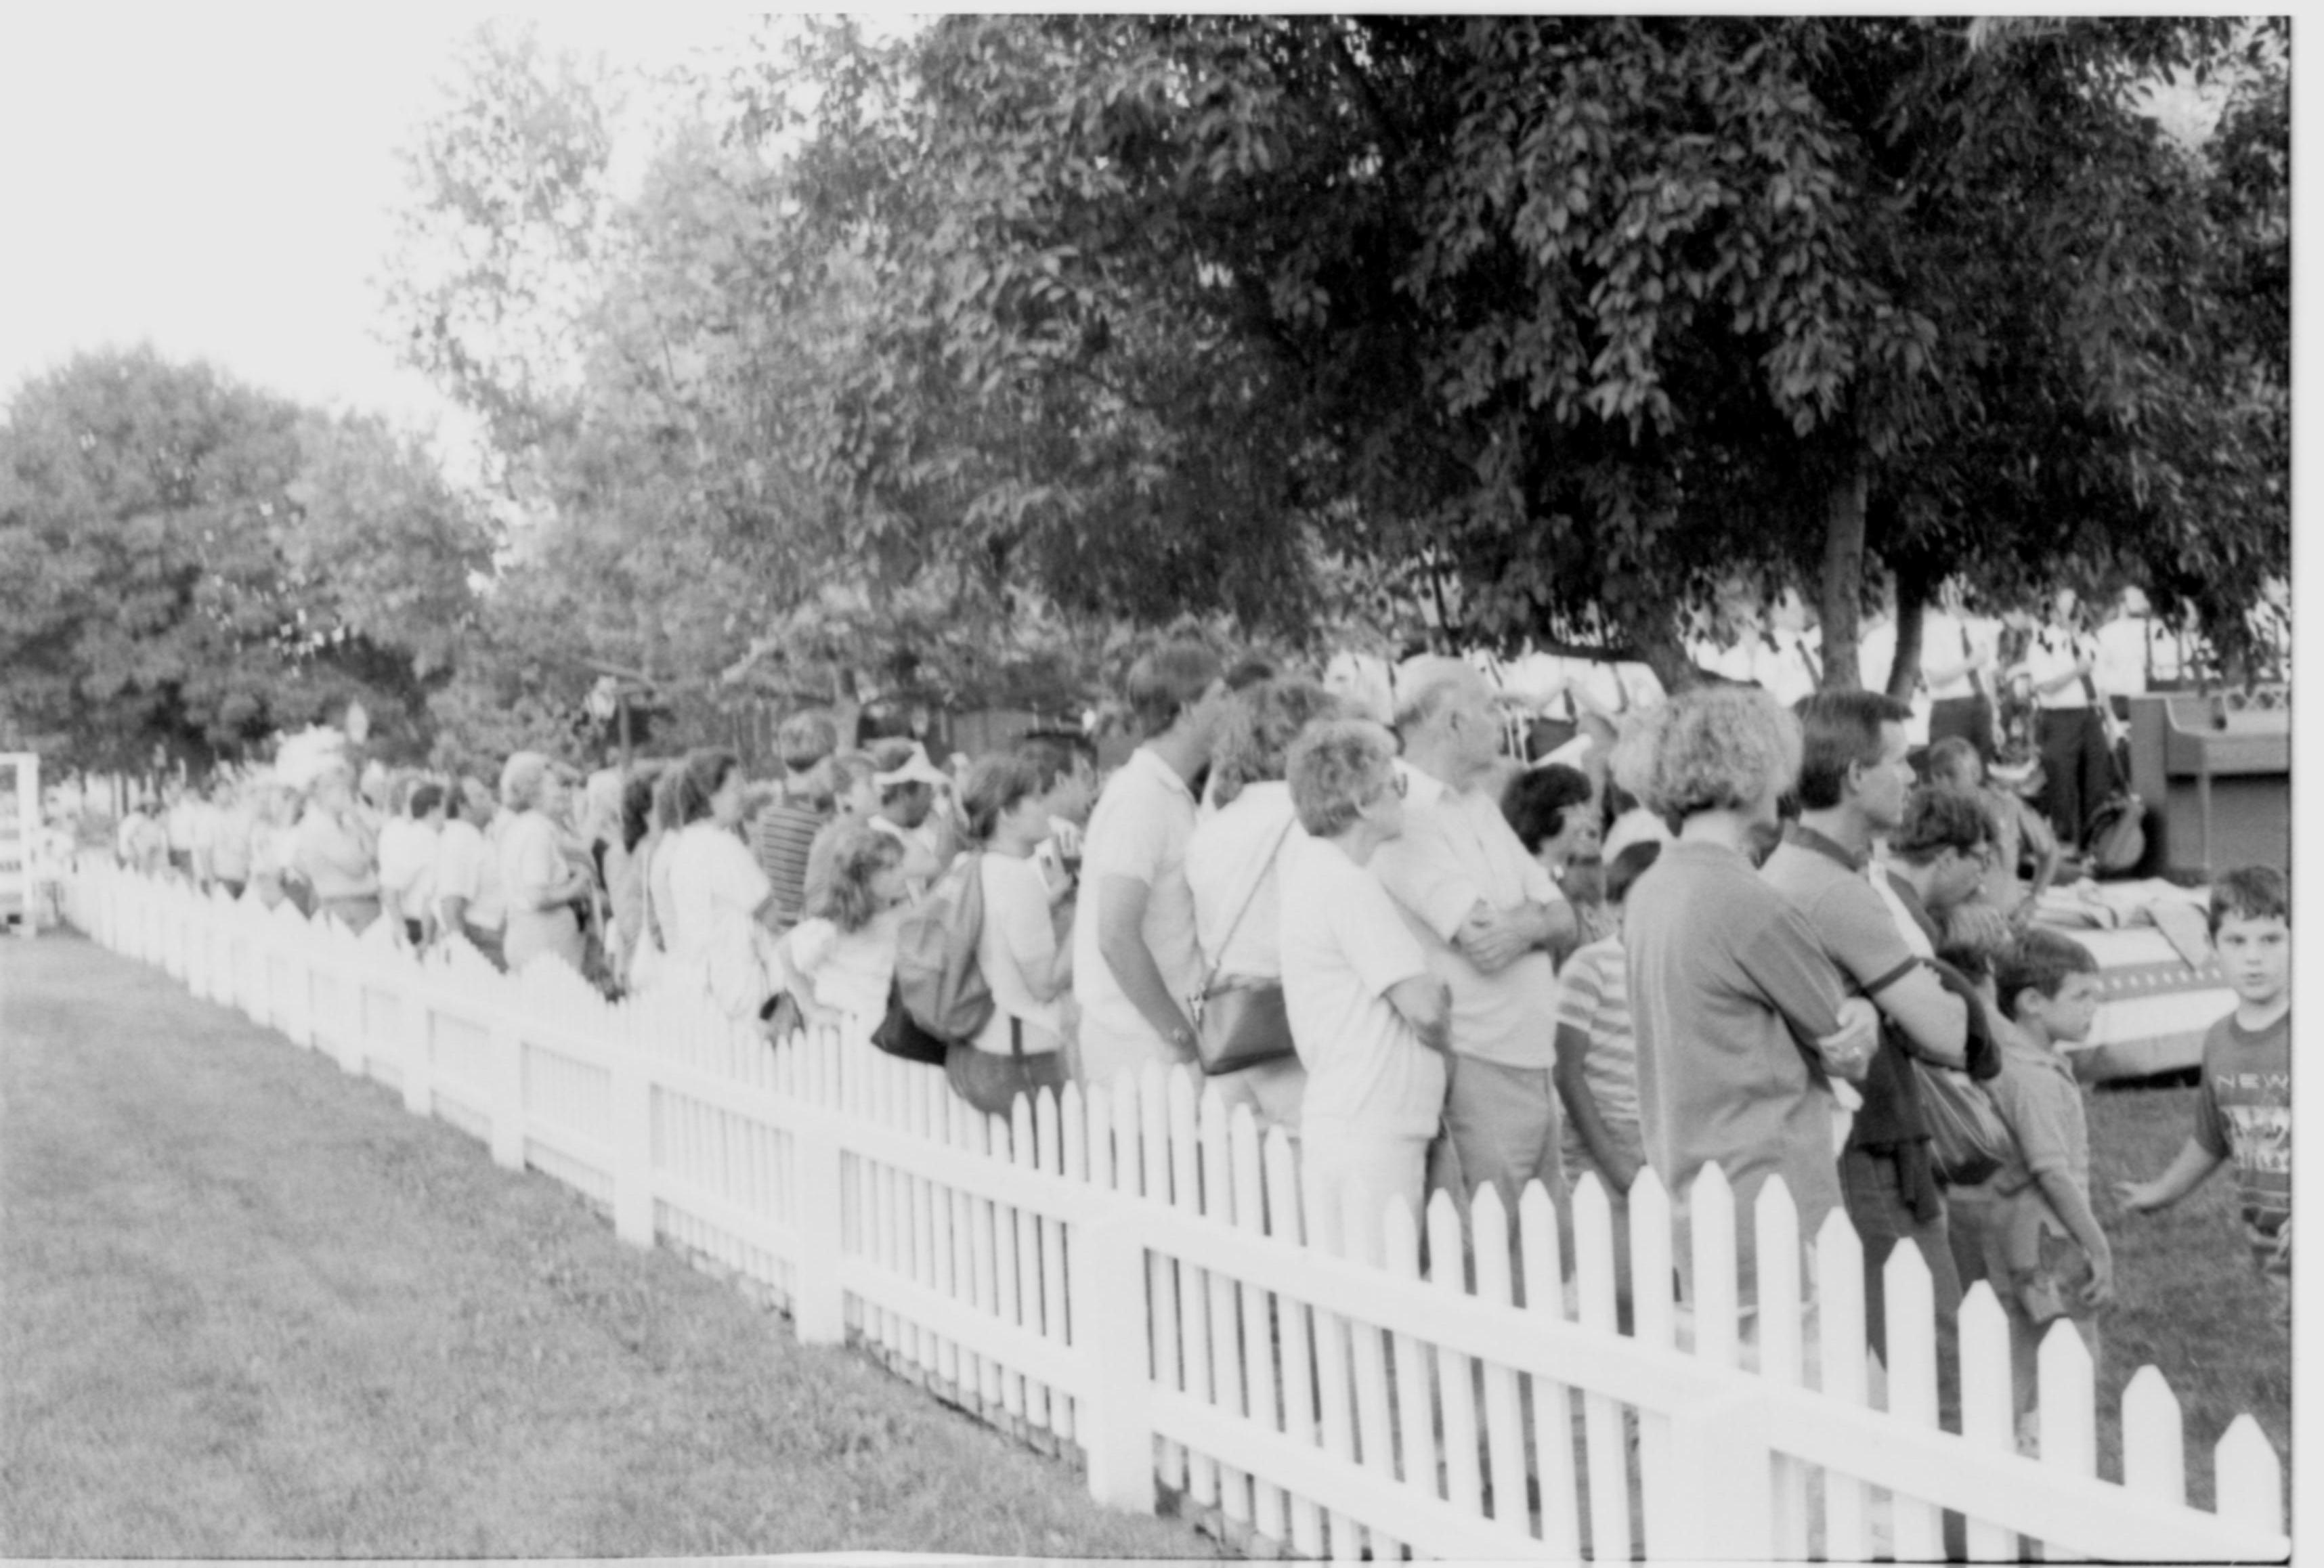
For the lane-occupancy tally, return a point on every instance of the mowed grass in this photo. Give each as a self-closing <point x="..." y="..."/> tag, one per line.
<point x="250" y="1307"/>
<point x="2188" y="1301"/>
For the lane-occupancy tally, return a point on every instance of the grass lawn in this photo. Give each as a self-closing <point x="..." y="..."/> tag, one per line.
<point x="2188" y="1301"/>
<point x="251" y="1308"/>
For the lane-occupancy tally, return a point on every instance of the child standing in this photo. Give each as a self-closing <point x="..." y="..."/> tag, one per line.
<point x="2028" y="1231"/>
<point x="843" y="955"/>
<point x="2243" y="1110"/>
<point x="1596" y="1072"/>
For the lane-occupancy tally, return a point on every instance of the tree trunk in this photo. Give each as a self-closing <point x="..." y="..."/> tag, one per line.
<point x="1662" y="651"/>
<point x="1843" y="574"/>
<point x="1911" y="615"/>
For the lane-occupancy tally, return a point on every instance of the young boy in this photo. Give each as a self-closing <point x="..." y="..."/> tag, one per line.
<point x="1597" y="1071"/>
<point x="2028" y="1231"/>
<point x="2243" y="1110"/>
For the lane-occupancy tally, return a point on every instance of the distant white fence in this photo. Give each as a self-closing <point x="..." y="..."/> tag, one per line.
<point x="1124" y="1275"/>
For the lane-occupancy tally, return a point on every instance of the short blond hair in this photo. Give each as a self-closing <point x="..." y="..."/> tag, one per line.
<point x="522" y="777"/>
<point x="1335" y="768"/>
<point x="1710" y="749"/>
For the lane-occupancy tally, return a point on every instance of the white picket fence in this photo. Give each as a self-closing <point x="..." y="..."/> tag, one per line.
<point x="1123" y="1276"/>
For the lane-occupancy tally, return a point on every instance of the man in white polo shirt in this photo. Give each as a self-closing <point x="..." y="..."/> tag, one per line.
<point x="1136" y="963"/>
<point x="1486" y="914"/>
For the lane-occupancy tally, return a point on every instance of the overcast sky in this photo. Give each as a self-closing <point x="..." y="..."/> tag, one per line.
<point x="220" y="179"/>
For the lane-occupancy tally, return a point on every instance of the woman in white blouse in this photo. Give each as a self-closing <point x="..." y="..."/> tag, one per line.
<point x="712" y="923"/>
<point x="538" y="880"/>
<point x="1020" y="1049"/>
<point x="1232" y="863"/>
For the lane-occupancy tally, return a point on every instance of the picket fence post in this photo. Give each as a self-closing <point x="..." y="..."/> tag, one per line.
<point x="1112" y="1338"/>
<point x="507" y="1052"/>
<point x="633" y="1089"/>
<point x="818" y="1301"/>
<point x="418" y="1064"/>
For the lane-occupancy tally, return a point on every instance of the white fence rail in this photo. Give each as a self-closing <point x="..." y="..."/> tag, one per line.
<point x="1124" y="1275"/>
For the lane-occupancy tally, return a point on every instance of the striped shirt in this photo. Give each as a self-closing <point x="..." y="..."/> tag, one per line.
<point x="1595" y="999"/>
<point x="782" y="840"/>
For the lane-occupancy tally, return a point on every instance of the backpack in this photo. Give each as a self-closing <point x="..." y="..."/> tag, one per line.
<point x="2116" y="840"/>
<point x="938" y="979"/>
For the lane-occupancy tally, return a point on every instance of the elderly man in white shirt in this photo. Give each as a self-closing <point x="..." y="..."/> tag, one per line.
<point x="1487" y="915"/>
<point x="1136" y="965"/>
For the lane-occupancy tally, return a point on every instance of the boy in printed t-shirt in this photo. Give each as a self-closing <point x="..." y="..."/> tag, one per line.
<point x="2243" y="1111"/>
<point x="2028" y="1231"/>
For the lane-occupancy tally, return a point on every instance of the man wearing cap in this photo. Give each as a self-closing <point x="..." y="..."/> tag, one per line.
<point x="784" y="834"/>
<point x="1136" y="964"/>
<point x="1487" y="915"/>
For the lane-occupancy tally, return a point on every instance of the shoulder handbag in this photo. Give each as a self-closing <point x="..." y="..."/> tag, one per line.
<point x="1239" y="1020"/>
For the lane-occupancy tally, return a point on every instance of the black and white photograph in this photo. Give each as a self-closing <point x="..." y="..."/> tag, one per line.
<point x="882" y="787"/>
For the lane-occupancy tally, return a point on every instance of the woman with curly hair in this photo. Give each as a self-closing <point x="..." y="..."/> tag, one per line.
<point x="1745" y="1043"/>
<point x="1232" y="863"/>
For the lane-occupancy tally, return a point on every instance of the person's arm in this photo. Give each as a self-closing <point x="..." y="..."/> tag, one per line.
<point x="1574" y="1090"/>
<point x="1493" y="939"/>
<point x="1426" y="1003"/>
<point x="2187" y="1173"/>
<point x="1933" y="1018"/>
<point x="2070" y="1205"/>
<point x="1044" y="962"/>
<point x="1121" y="943"/>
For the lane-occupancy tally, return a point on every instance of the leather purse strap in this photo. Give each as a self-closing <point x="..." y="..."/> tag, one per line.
<point x="1248" y="898"/>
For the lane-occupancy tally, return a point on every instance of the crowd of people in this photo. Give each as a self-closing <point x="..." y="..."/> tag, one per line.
<point x="1781" y="939"/>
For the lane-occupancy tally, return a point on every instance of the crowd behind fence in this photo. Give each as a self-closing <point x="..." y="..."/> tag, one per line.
<point x="1122" y="1277"/>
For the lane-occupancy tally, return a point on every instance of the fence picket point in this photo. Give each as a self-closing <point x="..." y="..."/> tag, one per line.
<point x="1053" y="1144"/>
<point x="1504" y="1430"/>
<point x="1782" y="1350"/>
<point x="2154" y="1444"/>
<point x="1456" y="1374"/>
<point x="1226" y="1329"/>
<point x="1552" y="1404"/>
<point x="1985" y="1405"/>
<point x="1717" y="1304"/>
<point x="2070" y="1433"/>
<point x="1269" y="1504"/>
<point x="1385" y="1232"/>
<point x="1912" y="1385"/>
<point x="1282" y="1214"/>
<point x="1411" y="1400"/>
<point x="1840" y="1331"/>
<point x="1153" y="1108"/>
<point x="1194" y="1307"/>
<point x="1607" y="1449"/>
<point x="2250" y="1477"/>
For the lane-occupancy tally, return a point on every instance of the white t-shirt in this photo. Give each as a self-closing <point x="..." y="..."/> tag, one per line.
<point x="715" y="882"/>
<point x="1875" y="658"/>
<point x="2053" y="653"/>
<point x="407" y="866"/>
<point x="530" y="862"/>
<point x="2121" y="669"/>
<point x="1016" y="939"/>
<point x="468" y="866"/>
<point x="1457" y="851"/>
<point x="1787" y="663"/>
<point x="1344" y="947"/>
<point x="1140" y="830"/>
<point x="849" y="972"/>
<point x="1944" y="638"/>
<point x="1231" y="860"/>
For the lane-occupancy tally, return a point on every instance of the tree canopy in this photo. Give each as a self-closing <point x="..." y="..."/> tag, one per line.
<point x="188" y="564"/>
<point x="1563" y="319"/>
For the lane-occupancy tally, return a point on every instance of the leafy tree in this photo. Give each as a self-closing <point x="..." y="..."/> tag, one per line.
<point x="191" y="565"/>
<point x="1572" y="317"/>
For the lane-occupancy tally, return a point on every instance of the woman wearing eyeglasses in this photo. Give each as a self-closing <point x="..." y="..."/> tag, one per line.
<point x="1370" y="1023"/>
